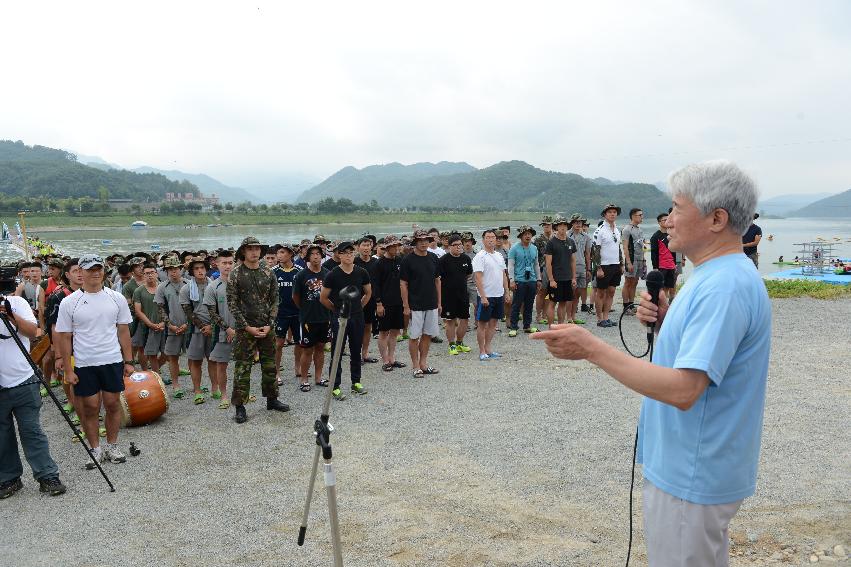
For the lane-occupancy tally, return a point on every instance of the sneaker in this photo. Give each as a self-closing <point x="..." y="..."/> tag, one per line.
<point x="67" y="408"/>
<point x="495" y="355"/>
<point x="113" y="454"/>
<point x="338" y="394"/>
<point x="610" y="323"/>
<point x="512" y="333"/>
<point x="52" y="485"/>
<point x="484" y="357"/>
<point x="98" y="454"/>
<point x="531" y="330"/>
<point x="357" y="388"/>
<point x="240" y="416"/>
<point x="453" y="350"/>
<point x="579" y="321"/>
<point x="10" y="487"/>
<point x="543" y="321"/>
<point x="461" y="347"/>
<point x="601" y="324"/>
<point x="43" y="392"/>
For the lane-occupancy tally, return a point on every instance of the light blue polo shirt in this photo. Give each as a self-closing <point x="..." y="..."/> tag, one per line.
<point x="719" y="323"/>
<point x="525" y="258"/>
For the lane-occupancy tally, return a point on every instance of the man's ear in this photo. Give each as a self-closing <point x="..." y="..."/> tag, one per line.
<point x="720" y="220"/>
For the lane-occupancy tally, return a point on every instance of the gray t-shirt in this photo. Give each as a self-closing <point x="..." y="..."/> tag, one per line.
<point x="168" y="295"/>
<point x="635" y="237"/>
<point x="583" y="245"/>
<point x="198" y="308"/>
<point x="216" y="294"/>
<point x="471" y="280"/>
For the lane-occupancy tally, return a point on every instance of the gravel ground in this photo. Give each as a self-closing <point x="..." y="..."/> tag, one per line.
<point x="521" y="461"/>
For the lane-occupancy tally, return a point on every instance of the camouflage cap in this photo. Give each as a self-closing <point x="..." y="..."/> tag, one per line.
<point x="391" y="240"/>
<point x="526" y="228"/>
<point x="421" y="235"/>
<point x="609" y="207"/>
<point x="467" y="235"/>
<point x="319" y="238"/>
<point x="445" y="233"/>
<point x="305" y="242"/>
<point x="172" y="262"/>
<point x="248" y="241"/>
<point x="575" y="217"/>
<point x="559" y="219"/>
<point x="56" y="263"/>
<point x="137" y="261"/>
<point x="546" y="220"/>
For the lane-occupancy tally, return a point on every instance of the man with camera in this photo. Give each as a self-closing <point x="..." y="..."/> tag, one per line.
<point x="19" y="399"/>
<point x="701" y="420"/>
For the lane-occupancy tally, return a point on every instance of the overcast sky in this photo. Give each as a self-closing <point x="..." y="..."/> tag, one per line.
<point x="249" y="90"/>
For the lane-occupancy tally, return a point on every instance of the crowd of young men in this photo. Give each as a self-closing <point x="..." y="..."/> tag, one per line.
<point x="109" y="317"/>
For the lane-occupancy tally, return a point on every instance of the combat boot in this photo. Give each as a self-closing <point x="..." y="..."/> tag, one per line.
<point x="240" y="416"/>
<point x="276" y="405"/>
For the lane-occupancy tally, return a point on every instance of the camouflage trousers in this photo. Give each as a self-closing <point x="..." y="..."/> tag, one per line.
<point x="244" y="347"/>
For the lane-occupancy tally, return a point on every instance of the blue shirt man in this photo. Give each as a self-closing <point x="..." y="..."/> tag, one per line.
<point x="524" y="259"/>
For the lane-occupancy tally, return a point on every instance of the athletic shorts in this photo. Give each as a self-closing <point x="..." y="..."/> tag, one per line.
<point x="545" y="280"/>
<point x="221" y="352"/>
<point x="103" y="378"/>
<point x="637" y="269"/>
<point x="423" y="323"/>
<point x="369" y="316"/>
<point x="670" y="277"/>
<point x="494" y="310"/>
<point x="199" y="347"/>
<point x="173" y="345"/>
<point x="313" y="334"/>
<point x="140" y="336"/>
<point x="562" y="292"/>
<point x="456" y="306"/>
<point x="611" y="276"/>
<point x="393" y="320"/>
<point x="284" y="324"/>
<point x="581" y="279"/>
<point x="154" y="344"/>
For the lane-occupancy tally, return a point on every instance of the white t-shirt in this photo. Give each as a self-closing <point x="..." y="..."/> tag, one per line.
<point x="14" y="368"/>
<point x="609" y="241"/>
<point x="437" y="251"/>
<point x="492" y="266"/>
<point x="93" y="317"/>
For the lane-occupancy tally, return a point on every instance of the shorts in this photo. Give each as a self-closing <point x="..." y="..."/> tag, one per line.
<point x="154" y="344"/>
<point x="581" y="278"/>
<point x="611" y="276"/>
<point x="670" y="278"/>
<point x="140" y="336"/>
<point x="199" y="347"/>
<point x="221" y="352"/>
<point x="545" y="280"/>
<point x="637" y="269"/>
<point x="284" y="324"/>
<point x="173" y="345"/>
<point x="369" y="316"/>
<point x="102" y="378"/>
<point x="494" y="310"/>
<point x="423" y="323"/>
<point x="562" y="292"/>
<point x="313" y="334"/>
<point x="455" y="306"/>
<point x="393" y="319"/>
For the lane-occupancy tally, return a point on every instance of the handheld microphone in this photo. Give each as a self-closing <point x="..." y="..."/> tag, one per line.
<point x="655" y="281"/>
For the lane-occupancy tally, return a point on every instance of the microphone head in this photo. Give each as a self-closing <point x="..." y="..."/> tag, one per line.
<point x="655" y="281"/>
<point x="350" y="293"/>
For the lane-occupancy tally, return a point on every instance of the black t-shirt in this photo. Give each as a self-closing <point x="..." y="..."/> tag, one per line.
<point x="385" y="288"/>
<point x="750" y="236"/>
<point x="420" y="273"/>
<point x="330" y="264"/>
<point x="338" y="279"/>
<point x="561" y="251"/>
<point x="453" y="273"/>
<point x="307" y="284"/>
<point x="371" y="267"/>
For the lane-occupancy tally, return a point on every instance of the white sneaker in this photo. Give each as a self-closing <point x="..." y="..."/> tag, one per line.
<point x="98" y="453"/>
<point x="113" y="454"/>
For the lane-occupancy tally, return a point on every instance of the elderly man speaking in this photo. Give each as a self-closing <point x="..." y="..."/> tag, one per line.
<point x="701" y="419"/>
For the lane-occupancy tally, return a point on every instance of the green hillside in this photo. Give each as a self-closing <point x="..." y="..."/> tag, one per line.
<point x="39" y="171"/>
<point x="513" y="185"/>
<point x="838" y="205"/>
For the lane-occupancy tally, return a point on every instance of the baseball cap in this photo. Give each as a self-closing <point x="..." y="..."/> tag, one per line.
<point x="89" y="261"/>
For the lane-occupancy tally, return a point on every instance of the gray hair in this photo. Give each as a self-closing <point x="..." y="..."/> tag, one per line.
<point x="718" y="184"/>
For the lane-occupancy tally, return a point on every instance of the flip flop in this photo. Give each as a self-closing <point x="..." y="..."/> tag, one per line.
<point x="199" y="399"/>
<point x="430" y="370"/>
<point x="387" y="367"/>
<point x="102" y="431"/>
<point x="178" y="394"/>
<point x="280" y="381"/>
<point x="217" y="395"/>
<point x="369" y="360"/>
<point x="398" y="364"/>
<point x="167" y="381"/>
<point x="251" y="398"/>
<point x="205" y="389"/>
<point x="75" y="420"/>
<point x="184" y="372"/>
<point x="304" y="387"/>
<point x="224" y="404"/>
<point x="323" y="383"/>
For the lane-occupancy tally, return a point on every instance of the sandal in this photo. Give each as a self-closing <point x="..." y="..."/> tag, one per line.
<point x="205" y="389"/>
<point x="430" y="370"/>
<point x="199" y="399"/>
<point x="387" y="367"/>
<point x="397" y="364"/>
<point x="417" y="373"/>
<point x="76" y="439"/>
<point x="305" y="387"/>
<point x="323" y="383"/>
<point x="217" y="395"/>
<point x="178" y="394"/>
<point x="224" y="404"/>
<point x="251" y="398"/>
<point x="369" y="360"/>
<point x="75" y="420"/>
<point x="101" y="431"/>
<point x="280" y="381"/>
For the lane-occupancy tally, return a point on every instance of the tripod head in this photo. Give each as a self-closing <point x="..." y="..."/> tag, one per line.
<point x="348" y="295"/>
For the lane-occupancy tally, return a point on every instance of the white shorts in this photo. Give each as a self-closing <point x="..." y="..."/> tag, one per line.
<point x="423" y="323"/>
<point x="679" y="533"/>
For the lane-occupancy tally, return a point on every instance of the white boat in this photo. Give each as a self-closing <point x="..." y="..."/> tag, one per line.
<point x="139" y="224"/>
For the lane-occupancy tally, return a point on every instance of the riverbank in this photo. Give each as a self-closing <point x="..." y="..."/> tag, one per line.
<point x="63" y="221"/>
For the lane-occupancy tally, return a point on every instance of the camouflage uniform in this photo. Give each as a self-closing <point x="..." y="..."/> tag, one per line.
<point x="252" y="297"/>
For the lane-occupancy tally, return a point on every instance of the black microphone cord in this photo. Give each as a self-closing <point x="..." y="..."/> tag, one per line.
<point x="632" y="474"/>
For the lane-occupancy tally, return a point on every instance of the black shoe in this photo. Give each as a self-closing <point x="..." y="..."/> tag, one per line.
<point x="584" y="308"/>
<point x="240" y="416"/>
<point x="276" y="405"/>
<point x="436" y="340"/>
<point x="10" y="487"/>
<point x="52" y="486"/>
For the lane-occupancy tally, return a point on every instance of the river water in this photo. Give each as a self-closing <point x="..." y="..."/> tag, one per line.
<point x="786" y="232"/>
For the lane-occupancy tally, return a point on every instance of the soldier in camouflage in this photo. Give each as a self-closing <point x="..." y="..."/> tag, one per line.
<point x="252" y="297"/>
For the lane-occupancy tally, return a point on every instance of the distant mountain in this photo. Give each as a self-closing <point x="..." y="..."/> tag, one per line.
<point x="39" y="171"/>
<point x="380" y="181"/>
<point x="838" y="205"/>
<point x="206" y="184"/>
<point x="509" y="185"/>
<point x="96" y="162"/>
<point x="784" y="204"/>
<point x="276" y="187"/>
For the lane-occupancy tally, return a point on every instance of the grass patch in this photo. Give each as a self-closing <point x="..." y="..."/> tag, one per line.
<point x="806" y="288"/>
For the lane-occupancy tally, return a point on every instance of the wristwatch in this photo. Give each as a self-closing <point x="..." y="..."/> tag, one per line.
<point x="129" y="362"/>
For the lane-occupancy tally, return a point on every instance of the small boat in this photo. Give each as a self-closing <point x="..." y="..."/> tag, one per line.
<point x="106" y="242"/>
<point x="213" y="225"/>
<point x="139" y="224"/>
<point x="155" y="247"/>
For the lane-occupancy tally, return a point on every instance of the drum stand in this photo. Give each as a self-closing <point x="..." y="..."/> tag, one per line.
<point x="322" y="429"/>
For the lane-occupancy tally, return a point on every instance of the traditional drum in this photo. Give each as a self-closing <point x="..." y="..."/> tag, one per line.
<point x="144" y="399"/>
